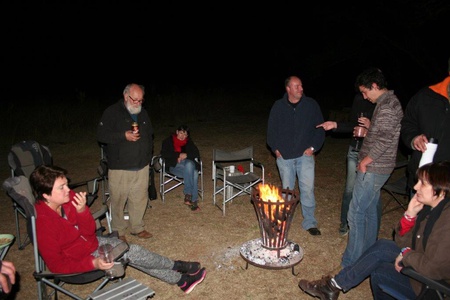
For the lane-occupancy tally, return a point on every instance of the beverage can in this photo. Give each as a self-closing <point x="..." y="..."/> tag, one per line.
<point x="135" y="127"/>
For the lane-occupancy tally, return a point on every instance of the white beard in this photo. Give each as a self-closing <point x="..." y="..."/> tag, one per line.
<point x="133" y="110"/>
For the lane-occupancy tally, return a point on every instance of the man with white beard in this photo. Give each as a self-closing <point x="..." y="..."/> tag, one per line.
<point x="129" y="150"/>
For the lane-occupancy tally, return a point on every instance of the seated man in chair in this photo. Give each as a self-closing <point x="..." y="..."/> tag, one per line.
<point x="68" y="243"/>
<point x="180" y="153"/>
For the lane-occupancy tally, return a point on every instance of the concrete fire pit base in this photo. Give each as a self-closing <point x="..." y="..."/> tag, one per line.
<point x="255" y="254"/>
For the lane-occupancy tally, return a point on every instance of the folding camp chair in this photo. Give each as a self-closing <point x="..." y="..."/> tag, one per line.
<point x="18" y="188"/>
<point x="431" y="289"/>
<point x="397" y="189"/>
<point x="169" y="181"/>
<point x="23" y="158"/>
<point x="235" y="182"/>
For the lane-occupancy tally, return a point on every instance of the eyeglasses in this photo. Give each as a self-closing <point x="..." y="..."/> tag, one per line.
<point x="136" y="101"/>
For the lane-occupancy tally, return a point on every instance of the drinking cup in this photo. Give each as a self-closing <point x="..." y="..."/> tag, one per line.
<point x="105" y="253"/>
<point x="360" y="131"/>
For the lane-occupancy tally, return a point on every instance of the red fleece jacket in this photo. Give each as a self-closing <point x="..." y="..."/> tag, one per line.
<point x="66" y="245"/>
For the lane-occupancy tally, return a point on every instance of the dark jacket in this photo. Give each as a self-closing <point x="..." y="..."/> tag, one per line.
<point x="433" y="261"/>
<point x="123" y="154"/>
<point x="293" y="130"/>
<point x="359" y="105"/>
<point x="170" y="156"/>
<point x="426" y="113"/>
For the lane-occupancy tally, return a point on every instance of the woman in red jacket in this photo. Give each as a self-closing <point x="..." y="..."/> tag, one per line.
<point x="68" y="243"/>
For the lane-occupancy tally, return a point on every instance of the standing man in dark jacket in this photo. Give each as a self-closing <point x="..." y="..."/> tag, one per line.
<point x="293" y="138"/>
<point x="427" y="115"/>
<point x="129" y="152"/>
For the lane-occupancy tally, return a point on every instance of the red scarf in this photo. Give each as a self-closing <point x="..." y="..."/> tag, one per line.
<point x="177" y="144"/>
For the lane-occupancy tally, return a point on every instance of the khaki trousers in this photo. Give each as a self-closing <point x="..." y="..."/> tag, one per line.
<point x="128" y="188"/>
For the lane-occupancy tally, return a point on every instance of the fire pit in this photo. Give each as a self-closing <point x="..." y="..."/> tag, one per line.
<point x="275" y="211"/>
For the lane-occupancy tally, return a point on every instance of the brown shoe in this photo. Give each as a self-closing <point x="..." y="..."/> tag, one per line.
<point x="143" y="234"/>
<point x="322" y="288"/>
<point x="123" y="238"/>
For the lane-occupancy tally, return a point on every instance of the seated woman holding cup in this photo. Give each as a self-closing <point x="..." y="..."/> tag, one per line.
<point x="68" y="242"/>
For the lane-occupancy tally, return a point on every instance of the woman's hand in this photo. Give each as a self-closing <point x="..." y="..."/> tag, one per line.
<point x="414" y="207"/>
<point x="398" y="266"/>
<point x="182" y="157"/>
<point x="79" y="201"/>
<point x="100" y="264"/>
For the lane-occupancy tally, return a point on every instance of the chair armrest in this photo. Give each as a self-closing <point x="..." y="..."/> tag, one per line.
<point x="219" y="166"/>
<point x="439" y="285"/>
<point x="258" y="164"/>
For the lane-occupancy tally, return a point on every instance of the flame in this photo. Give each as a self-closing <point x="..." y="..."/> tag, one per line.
<point x="269" y="193"/>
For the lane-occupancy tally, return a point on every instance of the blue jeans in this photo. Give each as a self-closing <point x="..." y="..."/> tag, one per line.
<point x="186" y="170"/>
<point x="378" y="263"/>
<point x="352" y="162"/>
<point x="363" y="215"/>
<point x="303" y="168"/>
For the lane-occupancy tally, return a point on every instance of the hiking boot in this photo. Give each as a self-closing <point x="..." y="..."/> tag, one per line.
<point x="143" y="234"/>
<point x="195" y="207"/>
<point x="322" y="288"/>
<point x="187" y="267"/>
<point x="343" y="229"/>
<point x="187" y="199"/>
<point x="187" y="282"/>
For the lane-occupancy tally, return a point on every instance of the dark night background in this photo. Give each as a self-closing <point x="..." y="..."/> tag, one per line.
<point x="61" y="48"/>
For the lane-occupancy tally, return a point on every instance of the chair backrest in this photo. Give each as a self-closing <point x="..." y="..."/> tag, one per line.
<point x="19" y="189"/>
<point x="239" y="155"/>
<point x="25" y="156"/>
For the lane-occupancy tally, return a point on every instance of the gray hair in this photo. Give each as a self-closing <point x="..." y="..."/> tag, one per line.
<point x="126" y="90"/>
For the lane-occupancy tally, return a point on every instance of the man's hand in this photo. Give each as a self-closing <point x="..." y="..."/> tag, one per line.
<point x="419" y="143"/>
<point x="132" y="137"/>
<point x="327" y="125"/>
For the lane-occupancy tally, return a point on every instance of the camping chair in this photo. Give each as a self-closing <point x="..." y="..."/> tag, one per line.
<point x="237" y="182"/>
<point x="169" y="181"/>
<point x="396" y="189"/>
<point x="431" y="289"/>
<point x="19" y="189"/>
<point x="23" y="158"/>
<point x="439" y="287"/>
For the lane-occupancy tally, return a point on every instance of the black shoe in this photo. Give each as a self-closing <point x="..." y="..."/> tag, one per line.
<point x="187" y="199"/>
<point x="187" y="282"/>
<point x="195" y="207"/>
<point x="314" y="231"/>
<point x="343" y="229"/>
<point x="322" y="288"/>
<point x="187" y="267"/>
